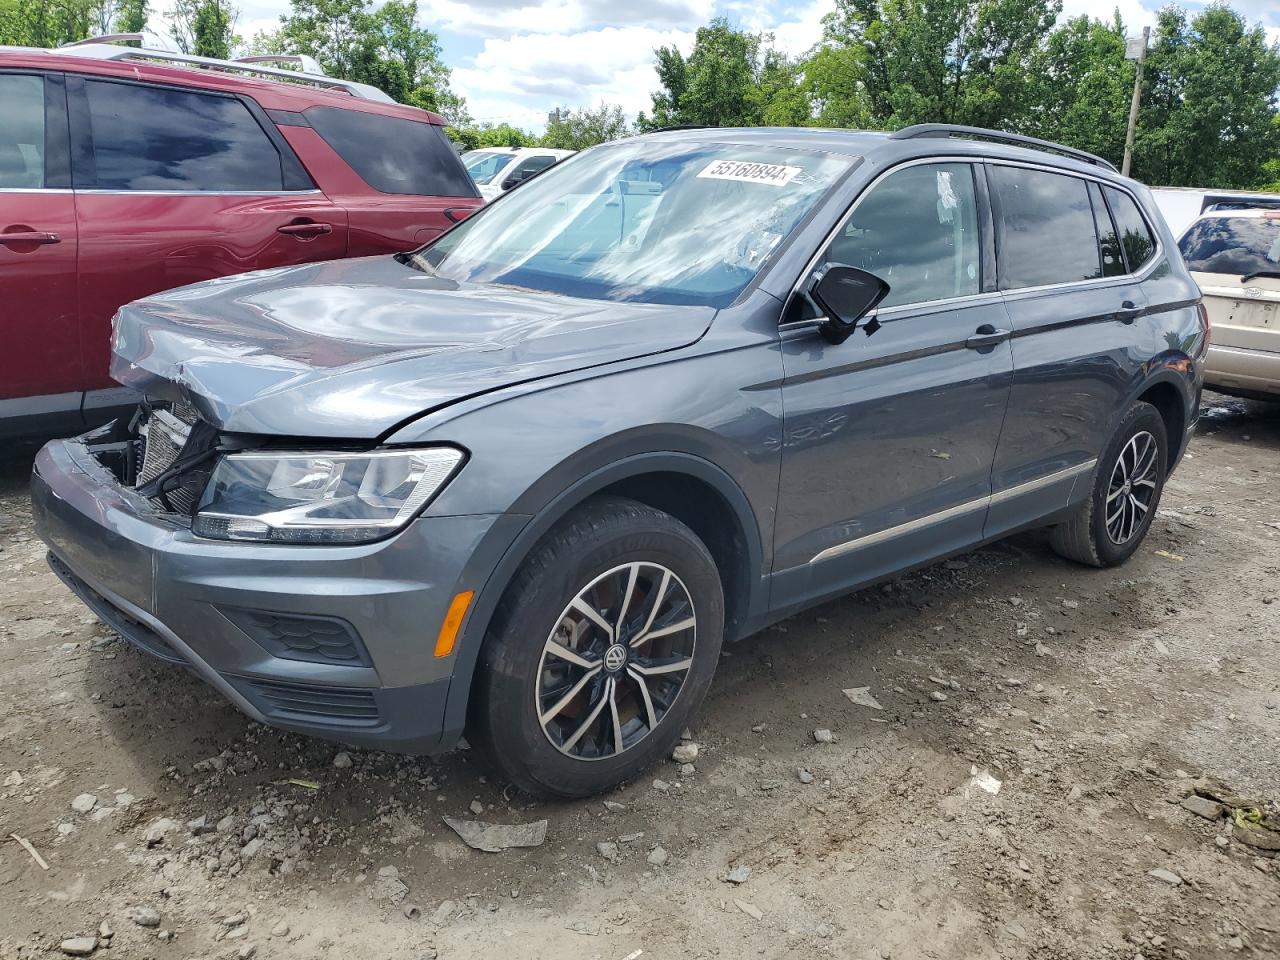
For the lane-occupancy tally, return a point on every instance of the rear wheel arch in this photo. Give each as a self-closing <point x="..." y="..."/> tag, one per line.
<point x="1169" y="391"/>
<point x="694" y="490"/>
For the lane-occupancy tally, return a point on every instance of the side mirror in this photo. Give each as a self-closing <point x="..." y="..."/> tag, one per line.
<point x="515" y="179"/>
<point x="845" y="295"/>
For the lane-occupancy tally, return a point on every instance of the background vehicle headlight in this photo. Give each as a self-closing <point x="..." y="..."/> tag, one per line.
<point x="321" y="497"/>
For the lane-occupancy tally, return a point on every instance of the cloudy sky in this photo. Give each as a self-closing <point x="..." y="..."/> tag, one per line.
<point x="516" y="59"/>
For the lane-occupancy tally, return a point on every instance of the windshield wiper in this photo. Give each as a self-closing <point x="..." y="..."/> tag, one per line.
<point x="1272" y="274"/>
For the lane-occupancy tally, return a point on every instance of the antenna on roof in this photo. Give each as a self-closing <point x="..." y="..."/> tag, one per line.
<point x="145" y="39"/>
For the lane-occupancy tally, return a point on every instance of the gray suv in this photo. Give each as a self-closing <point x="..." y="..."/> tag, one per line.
<point x="526" y="480"/>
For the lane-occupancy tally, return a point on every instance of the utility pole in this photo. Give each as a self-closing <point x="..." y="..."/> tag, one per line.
<point x="1140" y="55"/>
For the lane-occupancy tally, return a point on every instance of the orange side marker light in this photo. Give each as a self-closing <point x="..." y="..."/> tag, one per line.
<point x="448" y="635"/>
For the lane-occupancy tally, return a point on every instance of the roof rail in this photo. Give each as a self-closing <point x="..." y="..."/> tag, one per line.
<point x="308" y="64"/>
<point x="104" y="50"/>
<point x="945" y="130"/>
<point x="144" y="38"/>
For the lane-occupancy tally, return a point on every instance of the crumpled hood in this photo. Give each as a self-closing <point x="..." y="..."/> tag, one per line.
<point x="350" y="348"/>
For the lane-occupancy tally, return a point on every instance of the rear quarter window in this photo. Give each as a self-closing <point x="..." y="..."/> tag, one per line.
<point x="394" y="155"/>
<point x="1135" y="236"/>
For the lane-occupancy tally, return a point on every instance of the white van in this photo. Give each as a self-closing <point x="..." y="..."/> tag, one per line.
<point x="1181" y="205"/>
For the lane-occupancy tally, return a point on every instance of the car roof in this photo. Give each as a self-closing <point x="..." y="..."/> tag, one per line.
<point x="270" y="94"/>
<point x="882" y="146"/>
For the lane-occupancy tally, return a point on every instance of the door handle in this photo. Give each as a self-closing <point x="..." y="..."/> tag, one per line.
<point x="987" y="336"/>
<point x="305" y="231"/>
<point x="1128" y="312"/>
<point x="30" y="236"/>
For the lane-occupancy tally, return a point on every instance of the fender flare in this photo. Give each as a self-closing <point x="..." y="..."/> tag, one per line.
<point x="467" y="654"/>
<point x="1166" y="369"/>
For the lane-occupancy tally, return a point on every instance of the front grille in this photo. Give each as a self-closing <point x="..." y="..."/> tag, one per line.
<point x="164" y="436"/>
<point x="302" y="637"/>
<point x="310" y="703"/>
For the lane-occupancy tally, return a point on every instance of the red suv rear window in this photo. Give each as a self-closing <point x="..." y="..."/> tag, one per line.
<point x="394" y="155"/>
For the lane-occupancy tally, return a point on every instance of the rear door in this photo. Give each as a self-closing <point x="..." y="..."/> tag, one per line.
<point x="889" y="438"/>
<point x="1076" y="310"/>
<point x="400" y="180"/>
<point x="175" y="186"/>
<point x="40" y="372"/>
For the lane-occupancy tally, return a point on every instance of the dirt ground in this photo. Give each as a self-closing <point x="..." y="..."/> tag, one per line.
<point x="1093" y="697"/>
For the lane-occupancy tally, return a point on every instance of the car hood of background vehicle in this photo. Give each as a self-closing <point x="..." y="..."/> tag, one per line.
<point x="352" y="348"/>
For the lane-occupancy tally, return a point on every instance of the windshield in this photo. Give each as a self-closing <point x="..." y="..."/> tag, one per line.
<point x="483" y="165"/>
<point x="645" y="221"/>
<point x="1234" y="245"/>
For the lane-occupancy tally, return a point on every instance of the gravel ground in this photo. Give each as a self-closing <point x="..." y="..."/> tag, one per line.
<point x="1099" y="700"/>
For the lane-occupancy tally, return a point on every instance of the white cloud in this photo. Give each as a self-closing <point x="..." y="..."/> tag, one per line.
<point x="517" y="79"/>
<point x="503" y="19"/>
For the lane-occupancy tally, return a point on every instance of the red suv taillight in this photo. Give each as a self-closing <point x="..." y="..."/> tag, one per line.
<point x="1206" y="326"/>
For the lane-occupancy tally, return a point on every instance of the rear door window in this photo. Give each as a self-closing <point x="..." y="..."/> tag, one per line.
<point x="22" y="132"/>
<point x="918" y="231"/>
<point x="1046" y="231"/>
<point x="1135" y="236"/>
<point x="1238" y="246"/>
<point x="158" y="138"/>
<point x="394" y="155"/>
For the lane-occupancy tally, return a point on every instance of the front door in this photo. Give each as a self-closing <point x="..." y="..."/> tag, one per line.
<point x="178" y="186"/>
<point x="40" y="373"/>
<point x="889" y="437"/>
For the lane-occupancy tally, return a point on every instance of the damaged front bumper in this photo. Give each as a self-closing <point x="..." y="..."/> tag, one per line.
<point x="331" y="641"/>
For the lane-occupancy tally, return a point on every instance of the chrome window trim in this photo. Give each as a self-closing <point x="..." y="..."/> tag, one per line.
<point x="960" y="510"/>
<point x="96" y="191"/>
<point x="1147" y="268"/>
<point x="35" y="190"/>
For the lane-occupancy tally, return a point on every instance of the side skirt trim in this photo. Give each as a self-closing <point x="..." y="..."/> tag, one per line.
<point x="951" y="513"/>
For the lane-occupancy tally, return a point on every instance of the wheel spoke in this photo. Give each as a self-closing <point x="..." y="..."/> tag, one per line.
<point x="592" y="614"/>
<point x="1139" y="505"/>
<point x="674" y="666"/>
<point x="1145" y="483"/>
<point x="1115" y="493"/>
<point x="651" y="717"/>
<point x="613" y="712"/>
<point x="564" y="653"/>
<point x="658" y="596"/>
<point x="568" y="697"/>
<point x="632" y="575"/>
<point x="666" y="631"/>
<point x="586" y="724"/>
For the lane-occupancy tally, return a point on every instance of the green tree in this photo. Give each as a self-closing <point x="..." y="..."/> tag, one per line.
<point x="384" y="47"/>
<point x="132" y="16"/>
<point x="1208" y="113"/>
<point x="205" y="28"/>
<point x="952" y="61"/>
<point x="585" y="127"/>
<point x="1081" y="87"/>
<point x="732" y="78"/>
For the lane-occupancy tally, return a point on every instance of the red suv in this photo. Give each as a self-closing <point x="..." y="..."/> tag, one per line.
<point x="126" y="171"/>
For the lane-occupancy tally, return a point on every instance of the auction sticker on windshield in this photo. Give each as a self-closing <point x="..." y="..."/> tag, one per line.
<point x="748" y="171"/>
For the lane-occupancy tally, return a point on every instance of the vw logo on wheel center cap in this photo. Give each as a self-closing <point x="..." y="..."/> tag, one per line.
<point x="615" y="658"/>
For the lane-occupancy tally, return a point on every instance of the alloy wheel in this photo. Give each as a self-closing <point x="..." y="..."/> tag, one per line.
<point x="1132" y="487"/>
<point x="615" y="661"/>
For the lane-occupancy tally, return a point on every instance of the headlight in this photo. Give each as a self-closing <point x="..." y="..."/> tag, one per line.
<point x="330" y="498"/>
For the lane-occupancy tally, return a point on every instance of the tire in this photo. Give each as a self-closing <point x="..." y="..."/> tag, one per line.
<point x="607" y="550"/>
<point x="1096" y="534"/>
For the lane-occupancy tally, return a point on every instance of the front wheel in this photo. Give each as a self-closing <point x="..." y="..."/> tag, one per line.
<point x="601" y="650"/>
<point x="1107" y="528"/>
